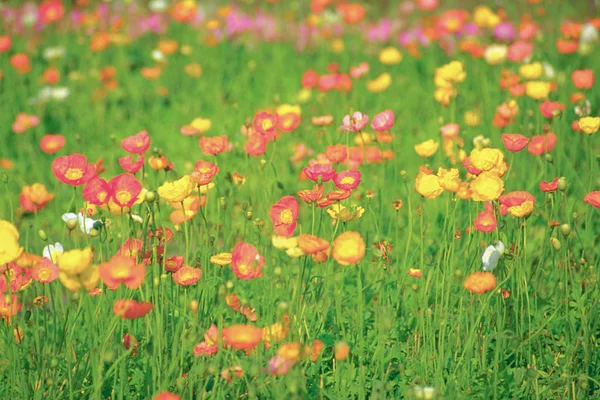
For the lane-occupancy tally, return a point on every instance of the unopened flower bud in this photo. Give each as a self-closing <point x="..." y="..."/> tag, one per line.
<point x="555" y="243"/>
<point x="549" y="158"/>
<point x="43" y="235"/>
<point x="562" y="184"/>
<point x="150" y="197"/>
<point x="249" y="215"/>
<point x="565" y="230"/>
<point x="71" y="224"/>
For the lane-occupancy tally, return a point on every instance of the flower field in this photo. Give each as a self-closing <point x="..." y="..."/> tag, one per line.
<point x="322" y="199"/>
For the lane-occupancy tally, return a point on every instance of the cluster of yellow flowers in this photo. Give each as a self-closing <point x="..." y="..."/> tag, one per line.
<point x="76" y="269"/>
<point x="446" y="77"/>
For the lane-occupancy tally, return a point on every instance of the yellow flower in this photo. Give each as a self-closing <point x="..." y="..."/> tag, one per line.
<point x="531" y="71"/>
<point x="449" y="179"/>
<point x="284" y="243"/>
<point x="443" y="95"/>
<point x="9" y="243"/>
<point x="495" y="54"/>
<point x="193" y="70"/>
<point x="348" y="248"/>
<point x="74" y="262"/>
<point x="485" y="18"/>
<point x="472" y="118"/>
<point x="486" y="187"/>
<point x="452" y="72"/>
<point x="464" y="192"/>
<point x="176" y="191"/>
<point x="288" y="108"/>
<point x="380" y="83"/>
<point x="294" y="252"/>
<point x="428" y="186"/>
<point x="390" y="56"/>
<point x="201" y="124"/>
<point x="426" y="149"/>
<point x="362" y="138"/>
<point x="344" y="214"/>
<point x="589" y="125"/>
<point x="522" y="210"/>
<point x="537" y="90"/>
<point x="221" y="259"/>
<point x="87" y="280"/>
<point x="486" y="159"/>
<point x="337" y="45"/>
<point x="304" y="95"/>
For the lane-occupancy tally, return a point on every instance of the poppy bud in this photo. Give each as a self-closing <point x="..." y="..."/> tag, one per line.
<point x="150" y="197"/>
<point x="4" y="177"/>
<point x="458" y="273"/>
<point x="565" y="230"/>
<point x="556" y="113"/>
<point x="277" y="271"/>
<point x="414" y="287"/>
<point x="156" y="281"/>
<point x="43" y="235"/>
<point x="71" y="224"/>
<point x="562" y="184"/>
<point x="94" y="232"/>
<point x="282" y="306"/>
<point x="194" y="306"/>
<point x="574" y="215"/>
<point x="54" y="363"/>
<point x="229" y="285"/>
<point x="249" y="215"/>
<point x="549" y="158"/>
<point x="555" y="243"/>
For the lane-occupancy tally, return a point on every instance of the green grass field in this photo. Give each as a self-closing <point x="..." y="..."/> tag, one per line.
<point x="403" y="319"/>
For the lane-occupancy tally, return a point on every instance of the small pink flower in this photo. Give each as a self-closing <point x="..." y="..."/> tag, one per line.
<point x="384" y="121"/>
<point x="360" y="70"/>
<point x="450" y="131"/>
<point x="355" y="123"/>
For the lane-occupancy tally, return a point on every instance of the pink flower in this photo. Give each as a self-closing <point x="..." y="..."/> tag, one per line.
<point x="384" y="121"/>
<point x="318" y="170"/>
<point x="355" y="123"/>
<point x="450" y="131"/>
<point x="360" y="70"/>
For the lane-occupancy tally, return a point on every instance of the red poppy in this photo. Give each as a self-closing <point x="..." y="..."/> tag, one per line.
<point x="593" y="198"/>
<point x="514" y="141"/>
<point x="96" y="191"/>
<point x="514" y="199"/>
<point x="131" y="166"/>
<point x="485" y="221"/>
<point x="549" y="186"/>
<point x="583" y="78"/>
<point x="336" y="153"/>
<point x="73" y="169"/>
<point x="51" y="76"/>
<point x="121" y="269"/>
<point x="242" y="337"/>
<point x="5" y="43"/>
<point x="246" y="263"/>
<point x="125" y="190"/>
<point x="284" y="215"/>
<point x="187" y="276"/>
<point x="256" y="145"/>
<point x="213" y="145"/>
<point x="309" y="79"/>
<point x="131" y="248"/>
<point x="352" y="13"/>
<point x="311" y="195"/>
<point x="319" y="171"/>
<point x="45" y="272"/>
<point x="9" y="306"/>
<point x="203" y="172"/>
<point x="541" y="144"/>
<point x="163" y="235"/>
<point x="51" y="11"/>
<point x="172" y="264"/>
<point x="166" y="396"/>
<point x="549" y="109"/>
<point x="566" y="46"/>
<point x="265" y="123"/>
<point x="288" y="122"/>
<point x="338" y="195"/>
<point x="136" y="144"/>
<point x="21" y="63"/>
<point x="51" y="144"/>
<point x="131" y="309"/>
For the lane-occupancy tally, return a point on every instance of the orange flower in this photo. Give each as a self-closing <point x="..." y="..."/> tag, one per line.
<point x="310" y="244"/>
<point x="136" y="144"/>
<point x="184" y="11"/>
<point x="35" y="197"/>
<point x="203" y="172"/>
<point x="352" y="13"/>
<point x="122" y="269"/>
<point x="265" y="123"/>
<point x="51" y="11"/>
<point x="242" y="337"/>
<point x="415" y="272"/>
<point x="341" y="351"/>
<point x="480" y="282"/>
<point x="213" y="145"/>
<point x="221" y="259"/>
<point x="311" y="195"/>
<point x="541" y="144"/>
<point x="166" y="396"/>
<point x="21" y="63"/>
<point x="131" y="309"/>
<point x="45" y="272"/>
<point x="348" y="248"/>
<point x="583" y="78"/>
<point x="51" y="76"/>
<point x="514" y="142"/>
<point x="316" y="349"/>
<point x="73" y="169"/>
<point x="246" y="263"/>
<point x="151" y="73"/>
<point x="50" y="144"/>
<point x="5" y="43"/>
<point x="284" y="215"/>
<point x="9" y="306"/>
<point x="593" y="198"/>
<point x="172" y="264"/>
<point x="485" y="221"/>
<point x="96" y="191"/>
<point x="187" y="276"/>
<point x="125" y="190"/>
<point x="160" y="163"/>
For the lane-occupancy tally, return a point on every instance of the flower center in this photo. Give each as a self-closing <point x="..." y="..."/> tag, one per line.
<point x="74" y="173"/>
<point x="123" y="196"/>
<point x="347" y="180"/>
<point x="286" y="216"/>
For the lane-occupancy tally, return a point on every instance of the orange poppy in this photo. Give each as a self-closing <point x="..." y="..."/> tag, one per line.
<point x="352" y="13"/>
<point x="172" y="264"/>
<point x="541" y="144"/>
<point x="480" y="282"/>
<point x="593" y="198"/>
<point x="310" y="244"/>
<point x="256" y="145"/>
<point x="21" y="63"/>
<point x="131" y="309"/>
<point x="514" y="141"/>
<point x="35" y="197"/>
<point x="213" y="145"/>
<point x="73" y="169"/>
<point x="51" y="76"/>
<point x="348" y="248"/>
<point x="583" y="78"/>
<point x="5" y="43"/>
<point x="242" y="337"/>
<point x="166" y="396"/>
<point x="51" y="144"/>
<point x="187" y="276"/>
<point x="485" y="221"/>
<point x="311" y="195"/>
<point x="203" y="172"/>
<point x="121" y="269"/>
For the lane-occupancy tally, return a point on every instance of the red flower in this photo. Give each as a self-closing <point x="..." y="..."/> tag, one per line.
<point x="9" y="306"/>
<point x="310" y="79"/>
<point x="512" y="199"/>
<point x="593" y="198"/>
<point x="347" y="180"/>
<point x="265" y="123"/>
<point x="284" y="215"/>
<point x="583" y="78"/>
<point x="174" y="263"/>
<point x="288" y="122"/>
<point x="96" y="191"/>
<point x="45" y="272"/>
<point x="548" y="108"/>
<point x="131" y="248"/>
<point x="122" y="269"/>
<point x="321" y="171"/>
<point x="336" y="153"/>
<point x="136" y="144"/>
<point x="485" y="221"/>
<point x="73" y="169"/>
<point x="256" y="145"/>
<point x="203" y="172"/>
<point x="125" y="190"/>
<point x="213" y="145"/>
<point x="541" y="144"/>
<point x="35" y="197"/>
<point x="5" y="43"/>
<point x="187" y="276"/>
<point x="246" y="263"/>
<point x="131" y="309"/>
<point x="50" y="144"/>
<point x="338" y="195"/>
<point x="51" y="11"/>
<point x="311" y="195"/>
<point x="242" y="337"/>
<point x="131" y="166"/>
<point x="514" y="141"/>
<point x="549" y="186"/>
<point x="166" y="396"/>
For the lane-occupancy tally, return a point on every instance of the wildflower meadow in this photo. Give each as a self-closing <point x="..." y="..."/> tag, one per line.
<point x="299" y="199"/>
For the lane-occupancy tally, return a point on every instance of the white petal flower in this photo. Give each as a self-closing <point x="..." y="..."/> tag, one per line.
<point x="51" y="250"/>
<point x="491" y="256"/>
<point x="69" y="216"/>
<point x="137" y="218"/>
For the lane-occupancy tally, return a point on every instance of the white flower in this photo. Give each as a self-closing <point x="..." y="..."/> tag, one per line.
<point x="424" y="392"/>
<point x="85" y="224"/>
<point x="158" y="6"/>
<point x="549" y="70"/>
<point x="53" y="53"/>
<point x="137" y="218"/>
<point x="158" y="56"/>
<point x="491" y="256"/>
<point x="495" y="54"/>
<point x="589" y="34"/>
<point x="51" y="250"/>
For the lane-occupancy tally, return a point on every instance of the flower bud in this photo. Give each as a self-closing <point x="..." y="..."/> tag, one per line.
<point x="150" y="197"/>
<point x="194" y="306"/>
<point x="562" y="184"/>
<point x="43" y="235"/>
<point x="555" y="243"/>
<point x="229" y="285"/>
<point x="549" y="158"/>
<point x="71" y="224"/>
<point x="249" y="215"/>
<point x="565" y="230"/>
